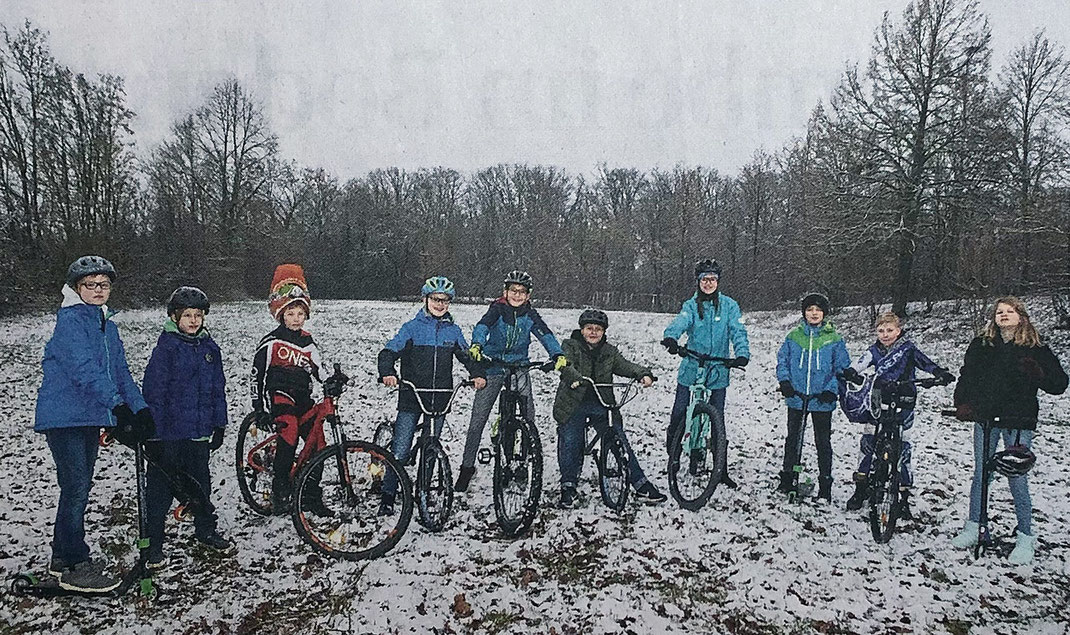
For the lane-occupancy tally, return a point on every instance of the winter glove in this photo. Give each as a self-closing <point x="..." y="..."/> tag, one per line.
<point x="826" y="396"/>
<point x="132" y="428"/>
<point x="851" y="375"/>
<point x="945" y="377"/>
<point x="671" y="345"/>
<point x="964" y="412"/>
<point x="787" y="389"/>
<point x="475" y="351"/>
<point x="1032" y="369"/>
<point x="560" y="362"/>
<point x="217" y="440"/>
<point x="740" y="362"/>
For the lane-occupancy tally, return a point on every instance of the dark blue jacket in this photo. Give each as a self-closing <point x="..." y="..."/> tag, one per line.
<point x="84" y="370"/>
<point x="426" y="346"/>
<point x="184" y="385"/>
<point x="505" y="333"/>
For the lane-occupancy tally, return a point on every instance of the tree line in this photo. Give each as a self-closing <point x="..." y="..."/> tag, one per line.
<point x="928" y="173"/>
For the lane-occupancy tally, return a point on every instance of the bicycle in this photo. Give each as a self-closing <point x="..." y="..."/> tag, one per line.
<point x="884" y="478"/>
<point x="350" y="476"/>
<point x="517" y="453"/>
<point x="701" y="438"/>
<point x="608" y="449"/>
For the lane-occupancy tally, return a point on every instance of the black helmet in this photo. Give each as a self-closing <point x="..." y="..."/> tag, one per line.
<point x="89" y="266"/>
<point x="187" y="298"/>
<point x="815" y="299"/>
<point x="706" y="267"/>
<point x="594" y="316"/>
<point x="1014" y="461"/>
<point x="517" y="276"/>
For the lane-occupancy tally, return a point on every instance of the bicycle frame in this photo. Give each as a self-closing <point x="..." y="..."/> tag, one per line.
<point x="612" y="410"/>
<point x="699" y="392"/>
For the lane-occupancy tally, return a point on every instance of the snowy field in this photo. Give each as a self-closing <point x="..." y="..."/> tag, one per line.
<point x="747" y="563"/>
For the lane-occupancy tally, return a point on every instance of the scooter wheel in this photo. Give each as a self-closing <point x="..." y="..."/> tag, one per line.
<point x="21" y="583"/>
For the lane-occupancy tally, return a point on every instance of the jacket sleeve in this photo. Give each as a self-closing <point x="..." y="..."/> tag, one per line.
<point x="737" y="332"/>
<point x="545" y="335"/>
<point x="966" y="387"/>
<point x="392" y="351"/>
<point x="154" y="382"/>
<point x="460" y="352"/>
<point x="1055" y="379"/>
<point x="85" y="371"/>
<point x="680" y="324"/>
<point x="624" y="368"/>
<point x="569" y="374"/>
<point x="922" y="361"/>
<point x="219" y="391"/>
<point x="128" y="388"/>
<point x="258" y="389"/>
<point x="783" y="362"/>
<point x="840" y="359"/>
<point x="481" y="331"/>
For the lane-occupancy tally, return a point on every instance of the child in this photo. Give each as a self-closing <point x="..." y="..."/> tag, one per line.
<point x="711" y="321"/>
<point x="504" y="333"/>
<point x="590" y="355"/>
<point x="893" y="358"/>
<point x="184" y="387"/>
<point x="809" y="360"/>
<point x="284" y="364"/>
<point x="1003" y="369"/>
<point x="86" y="386"/>
<point x="426" y="345"/>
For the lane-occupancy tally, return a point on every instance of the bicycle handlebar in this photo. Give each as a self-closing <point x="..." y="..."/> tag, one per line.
<point x="683" y="351"/>
<point x="449" y="405"/>
<point x="545" y="365"/>
<point x="617" y="384"/>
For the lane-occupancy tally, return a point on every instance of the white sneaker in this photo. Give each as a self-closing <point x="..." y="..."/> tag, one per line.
<point x="1024" y="547"/>
<point x="967" y="537"/>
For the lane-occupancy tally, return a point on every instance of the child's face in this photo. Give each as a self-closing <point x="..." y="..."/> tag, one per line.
<point x="814" y="315"/>
<point x="593" y="333"/>
<point x="516" y="294"/>
<point x="294" y="317"/>
<point x="1007" y="317"/>
<point x="887" y="333"/>
<point x="95" y="289"/>
<point x="708" y="284"/>
<point x="190" y="321"/>
<point x="438" y="304"/>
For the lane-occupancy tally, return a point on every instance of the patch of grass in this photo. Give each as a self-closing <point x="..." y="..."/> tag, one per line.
<point x="957" y="627"/>
<point x="496" y="621"/>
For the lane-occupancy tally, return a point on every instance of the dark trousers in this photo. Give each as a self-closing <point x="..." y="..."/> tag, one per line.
<point x="176" y="457"/>
<point x="679" y="409"/>
<point x="822" y="439"/>
<point x="75" y="452"/>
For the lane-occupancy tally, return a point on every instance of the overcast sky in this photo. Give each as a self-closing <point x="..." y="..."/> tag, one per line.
<point x="352" y="86"/>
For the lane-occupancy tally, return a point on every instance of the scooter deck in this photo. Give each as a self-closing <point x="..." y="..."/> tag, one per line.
<point x="47" y="586"/>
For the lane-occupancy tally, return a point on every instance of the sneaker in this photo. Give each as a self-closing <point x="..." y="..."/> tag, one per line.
<point x="386" y="505"/>
<point x="650" y="494"/>
<point x="155" y="561"/>
<point x="464" y="478"/>
<point x="569" y="498"/>
<point x="214" y="540"/>
<point x="87" y="577"/>
<point x="56" y="566"/>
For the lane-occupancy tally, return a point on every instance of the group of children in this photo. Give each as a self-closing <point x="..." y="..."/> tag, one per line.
<point x="180" y="414"/>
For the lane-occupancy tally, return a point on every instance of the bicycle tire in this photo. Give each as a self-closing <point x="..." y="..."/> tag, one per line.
<point x="884" y="489"/>
<point x="355" y="530"/>
<point x="254" y="457"/>
<point x="612" y="463"/>
<point x="434" y="486"/>
<point x="693" y="479"/>
<point x="517" y="476"/>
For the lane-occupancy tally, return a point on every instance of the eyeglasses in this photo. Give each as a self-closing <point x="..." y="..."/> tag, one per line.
<point x="439" y="299"/>
<point x="92" y="286"/>
<point x="519" y="290"/>
<point x="710" y="277"/>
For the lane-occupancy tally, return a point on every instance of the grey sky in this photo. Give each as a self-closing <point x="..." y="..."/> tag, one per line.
<point x="353" y="86"/>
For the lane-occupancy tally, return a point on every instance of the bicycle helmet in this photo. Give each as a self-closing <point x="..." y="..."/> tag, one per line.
<point x="1016" y="460"/>
<point x="438" y="284"/>
<point x="516" y="276"/>
<point x="706" y="267"/>
<point x="89" y="266"/>
<point x="594" y="316"/>
<point x="187" y="298"/>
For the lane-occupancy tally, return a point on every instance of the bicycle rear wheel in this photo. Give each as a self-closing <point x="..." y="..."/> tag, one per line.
<point x="612" y="463"/>
<point x="434" y="486"/>
<point x="884" y="489"/>
<point x="254" y="460"/>
<point x="358" y="527"/>
<point x="517" y="475"/>
<point x="694" y="475"/>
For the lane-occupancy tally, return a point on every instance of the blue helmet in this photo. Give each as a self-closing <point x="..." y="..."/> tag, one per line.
<point x="438" y="284"/>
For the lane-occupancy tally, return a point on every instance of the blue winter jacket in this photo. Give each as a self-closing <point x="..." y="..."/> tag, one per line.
<point x="84" y="370"/>
<point x="897" y="362"/>
<point x="504" y="333"/>
<point x="710" y="335"/>
<point x="810" y="358"/>
<point x="184" y="385"/>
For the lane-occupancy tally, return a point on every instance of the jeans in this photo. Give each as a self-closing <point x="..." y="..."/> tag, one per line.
<point x="1019" y="485"/>
<point x="75" y="452"/>
<point x="482" y="406"/>
<point x="868" y="444"/>
<point x="572" y="441"/>
<point x="822" y="421"/>
<point x="181" y="456"/>
<point x="404" y="430"/>
<point x="679" y="409"/>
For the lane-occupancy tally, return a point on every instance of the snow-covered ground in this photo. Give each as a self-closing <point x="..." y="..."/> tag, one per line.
<point x="748" y="562"/>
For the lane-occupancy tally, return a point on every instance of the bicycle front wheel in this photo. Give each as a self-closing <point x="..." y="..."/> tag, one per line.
<point x="517" y="476"/>
<point x="254" y="459"/>
<point x="612" y="463"/>
<point x="884" y="482"/>
<point x="434" y="486"/>
<point x="339" y="507"/>
<point x="697" y="457"/>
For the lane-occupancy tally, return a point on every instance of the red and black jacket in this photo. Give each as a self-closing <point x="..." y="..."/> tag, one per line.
<point x="285" y="361"/>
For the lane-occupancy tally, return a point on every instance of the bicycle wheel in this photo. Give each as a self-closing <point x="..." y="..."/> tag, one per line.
<point x="357" y="526"/>
<point x="612" y="463"/>
<point x="517" y="475"/>
<point x="884" y="489"/>
<point x="434" y="486"/>
<point x="254" y="460"/>
<point x="694" y="476"/>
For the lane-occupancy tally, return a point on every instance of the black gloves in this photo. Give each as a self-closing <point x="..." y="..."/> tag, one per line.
<point x="671" y="345"/>
<point x="851" y="375"/>
<point x="740" y="362"/>
<point x="786" y="389"/>
<point x="826" y="396"/>
<point x="945" y="377"/>
<point x="217" y="440"/>
<point x="132" y="428"/>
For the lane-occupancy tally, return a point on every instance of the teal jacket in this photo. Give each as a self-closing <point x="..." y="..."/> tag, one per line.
<point x="711" y="335"/>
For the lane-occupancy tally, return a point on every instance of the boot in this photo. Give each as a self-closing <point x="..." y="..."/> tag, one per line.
<point x="967" y="537"/>
<point x="727" y="481"/>
<point x="464" y="478"/>
<point x="787" y="482"/>
<point x="824" y="488"/>
<point x="281" y="487"/>
<point x="904" y="505"/>
<point x="1024" y="547"/>
<point x="855" y="502"/>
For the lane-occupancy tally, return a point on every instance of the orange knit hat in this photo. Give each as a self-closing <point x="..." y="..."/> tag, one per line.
<point x="287" y="287"/>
